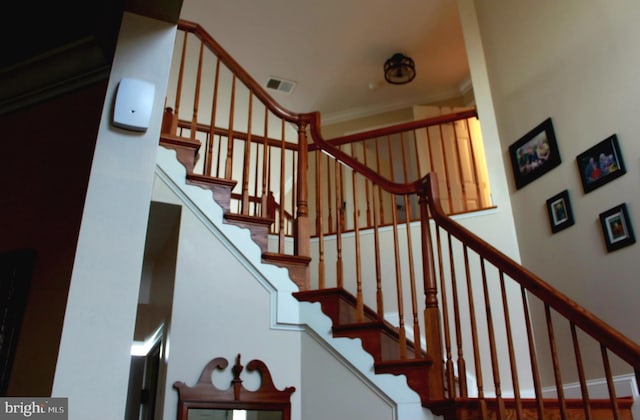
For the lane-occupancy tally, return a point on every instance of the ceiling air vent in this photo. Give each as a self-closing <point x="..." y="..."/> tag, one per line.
<point x="281" y="85"/>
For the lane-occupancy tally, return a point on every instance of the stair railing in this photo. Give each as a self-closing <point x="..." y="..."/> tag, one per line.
<point x="465" y="282"/>
<point x="449" y="143"/>
<point x="507" y="340"/>
<point x="556" y="330"/>
<point x="251" y="145"/>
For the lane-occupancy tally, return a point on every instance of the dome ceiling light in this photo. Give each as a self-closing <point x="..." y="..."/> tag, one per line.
<point x="399" y="69"/>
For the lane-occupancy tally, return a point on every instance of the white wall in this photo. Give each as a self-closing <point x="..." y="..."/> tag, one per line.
<point x="93" y="360"/>
<point x="221" y="309"/>
<point x="327" y="400"/>
<point x="574" y="61"/>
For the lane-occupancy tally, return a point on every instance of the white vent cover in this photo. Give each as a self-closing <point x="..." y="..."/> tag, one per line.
<point x="281" y="85"/>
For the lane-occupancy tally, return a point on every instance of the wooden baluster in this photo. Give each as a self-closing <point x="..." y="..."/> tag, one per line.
<point x="462" y="366"/>
<point x="555" y="362"/>
<point x="246" y="166"/>
<point x="474" y="334"/>
<point x="399" y="288"/>
<point x="208" y="162"/>
<point x="446" y="170"/>
<point x="329" y="199"/>
<point x="377" y="258"/>
<point x="294" y="191"/>
<point x="411" y="266"/>
<point x="610" y="385"/>
<point x="282" y="196"/>
<point x="380" y="195"/>
<point x="449" y="369"/>
<point x="196" y="97"/>
<point x="265" y="168"/>
<point x="219" y="160"/>
<point x="417" y="152"/>
<point x="396" y="248"/>
<point x="430" y="168"/>
<point x="535" y="373"/>
<point x="581" y="376"/>
<point x="366" y="187"/>
<point x="460" y="170"/>
<point x="432" y="326"/>
<point x="512" y="357"/>
<point x="356" y="229"/>
<point x="474" y="164"/>
<point x="319" y="218"/>
<point x="228" y="174"/>
<point x="256" y="182"/>
<point x="501" y="413"/>
<point x="180" y="80"/>
<point x="339" y="212"/>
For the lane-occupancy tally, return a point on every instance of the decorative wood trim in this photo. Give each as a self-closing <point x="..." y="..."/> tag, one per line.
<point x="204" y="394"/>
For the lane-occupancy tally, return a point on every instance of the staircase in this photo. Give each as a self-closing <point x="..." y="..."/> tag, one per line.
<point x="381" y="340"/>
<point x="452" y="295"/>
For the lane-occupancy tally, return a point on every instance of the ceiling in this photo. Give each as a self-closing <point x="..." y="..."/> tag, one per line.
<point x="335" y="50"/>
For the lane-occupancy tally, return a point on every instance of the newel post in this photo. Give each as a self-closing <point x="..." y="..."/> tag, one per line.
<point x="302" y="235"/>
<point x="433" y="333"/>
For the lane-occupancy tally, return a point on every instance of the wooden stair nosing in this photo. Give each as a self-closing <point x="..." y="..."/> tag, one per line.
<point x="334" y="311"/>
<point x="249" y="220"/>
<point x="296" y="265"/>
<point x="258" y="226"/>
<point x="331" y="300"/>
<point x="219" y="187"/>
<point x="186" y="149"/>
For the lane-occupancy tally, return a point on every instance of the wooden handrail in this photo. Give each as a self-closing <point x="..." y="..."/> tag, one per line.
<point x="397" y="128"/>
<point x="392" y="187"/>
<point x="598" y="329"/>
<point x="239" y="72"/>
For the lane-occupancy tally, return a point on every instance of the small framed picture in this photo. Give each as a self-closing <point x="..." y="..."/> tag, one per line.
<point x="559" y="210"/>
<point x="616" y="227"/>
<point x="534" y="154"/>
<point x="600" y="164"/>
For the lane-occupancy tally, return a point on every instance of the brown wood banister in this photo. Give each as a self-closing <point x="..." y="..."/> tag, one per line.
<point x="397" y="128"/>
<point x="598" y="329"/>
<point x="339" y="155"/>
<point x="238" y="71"/>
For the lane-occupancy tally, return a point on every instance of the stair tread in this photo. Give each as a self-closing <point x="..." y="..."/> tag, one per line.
<point x="243" y="218"/>
<point x="179" y="140"/>
<point x="286" y="258"/>
<point x="211" y="180"/>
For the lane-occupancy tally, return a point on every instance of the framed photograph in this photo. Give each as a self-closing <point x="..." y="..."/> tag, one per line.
<point x="559" y="210"/>
<point x="616" y="227"/>
<point x="534" y="154"/>
<point x="600" y="164"/>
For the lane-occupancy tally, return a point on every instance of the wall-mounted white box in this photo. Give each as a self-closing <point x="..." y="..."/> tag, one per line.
<point x="133" y="105"/>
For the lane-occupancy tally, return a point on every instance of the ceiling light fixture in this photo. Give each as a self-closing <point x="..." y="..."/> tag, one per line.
<point x="399" y="69"/>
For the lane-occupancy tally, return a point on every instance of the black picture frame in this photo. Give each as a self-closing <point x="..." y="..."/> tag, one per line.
<point x="559" y="211"/>
<point x="600" y="164"/>
<point x="534" y="154"/>
<point x="617" y="228"/>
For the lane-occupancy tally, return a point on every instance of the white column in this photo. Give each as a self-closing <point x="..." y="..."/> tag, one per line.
<point x="93" y="361"/>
